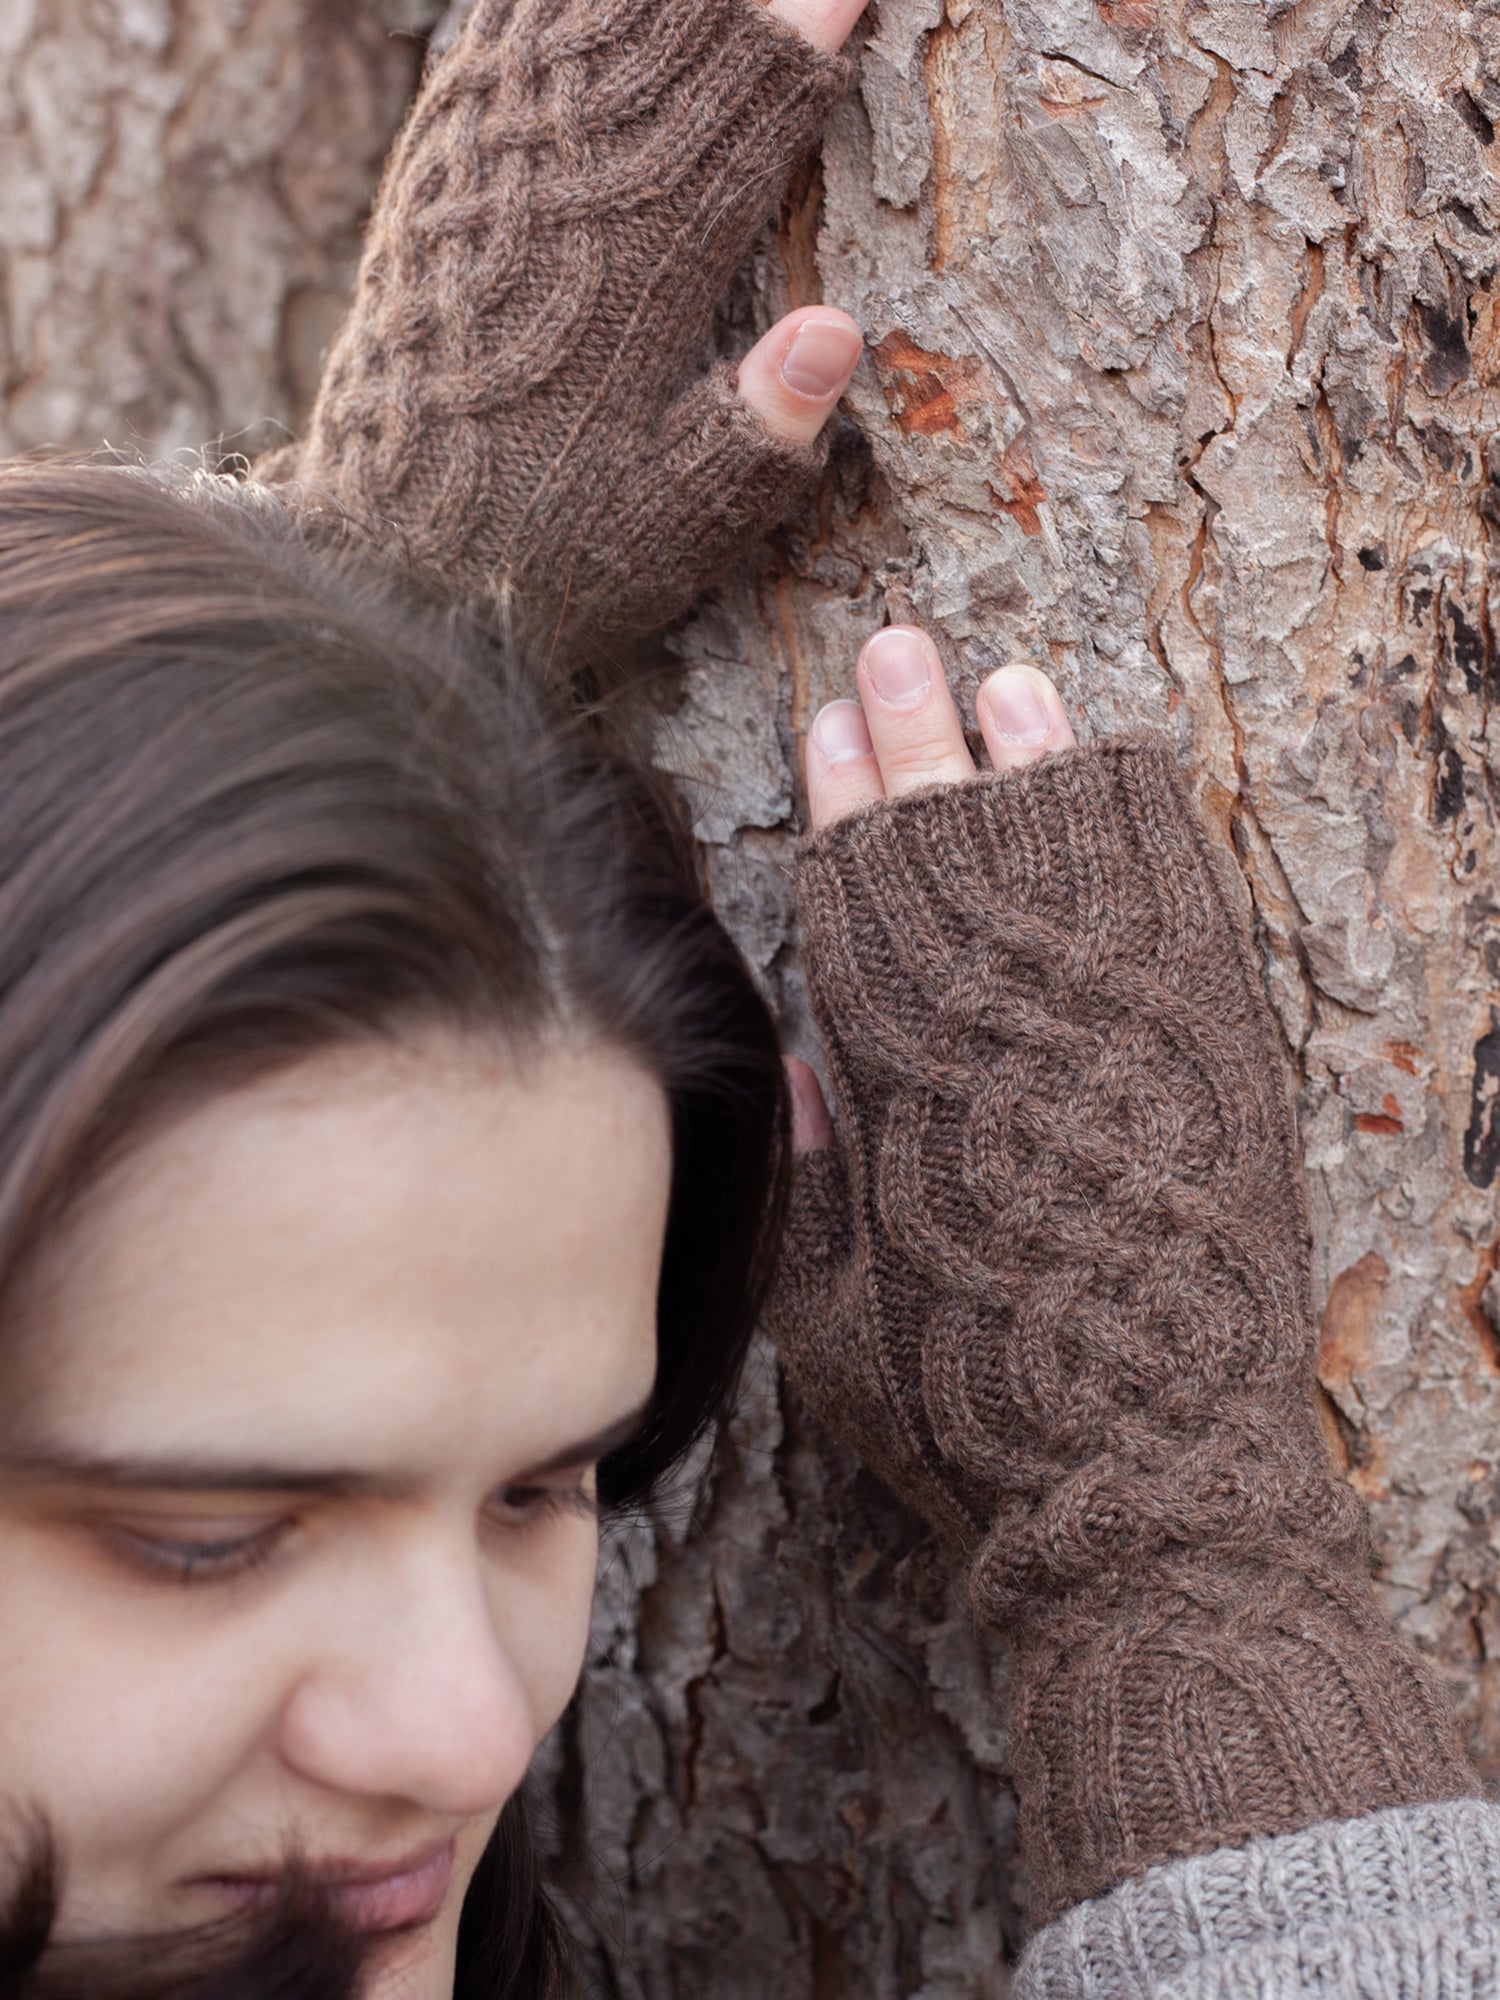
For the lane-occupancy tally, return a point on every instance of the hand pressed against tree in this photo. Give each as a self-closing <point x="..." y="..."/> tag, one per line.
<point x="906" y="735"/>
<point x="520" y="395"/>
<point x="1053" y="1280"/>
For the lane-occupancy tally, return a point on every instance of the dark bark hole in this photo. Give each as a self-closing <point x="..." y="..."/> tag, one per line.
<point x="1373" y="558"/>
<point x="1447" y="339"/>
<point x="1461" y="212"/>
<point x="1448" y="795"/>
<point x="828" y="1707"/>
<point x="1482" y="1140"/>
<point x="1475" y="117"/>
<point x="1465" y="646"/>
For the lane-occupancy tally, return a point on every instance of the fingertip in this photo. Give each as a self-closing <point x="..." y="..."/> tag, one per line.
<point x="843" y="774"/>
<point x="794" y="375"/>
<point x="827" y="24"/>
<point x="1021" y="717"/>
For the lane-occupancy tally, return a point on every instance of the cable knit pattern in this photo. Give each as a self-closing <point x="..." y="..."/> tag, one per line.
<point x="1400" y="1905"/>
<point x="1055" y="1287"/>
<point x="513" y="394"/>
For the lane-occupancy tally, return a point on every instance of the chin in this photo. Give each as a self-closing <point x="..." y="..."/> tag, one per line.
<point x="415" y="1965"/>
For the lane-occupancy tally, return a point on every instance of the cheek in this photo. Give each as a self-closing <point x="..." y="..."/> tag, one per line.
<point x="542" y="1610"/>
<point x="119" y="1727"/>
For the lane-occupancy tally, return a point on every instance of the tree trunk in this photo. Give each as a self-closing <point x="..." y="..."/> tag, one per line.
<point x="1181" y="331"/>
<point x="182" y="188"/>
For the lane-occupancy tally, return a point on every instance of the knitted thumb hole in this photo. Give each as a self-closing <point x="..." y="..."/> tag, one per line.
<point x="819" y="1314"/>
<point x="674" y="499"/>
<point x="808" y="1307"/>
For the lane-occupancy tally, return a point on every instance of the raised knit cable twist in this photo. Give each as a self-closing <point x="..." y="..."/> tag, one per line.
<point x="1056" y="1289"/>
<point x="518" y="399"/>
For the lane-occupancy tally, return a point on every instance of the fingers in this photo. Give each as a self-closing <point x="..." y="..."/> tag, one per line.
<point x="812" y="1128"/>
<point x="793" y="377"/>
<point x="827" y="24"/>
<point x="843" y="775"/>
<point x="905" y="732"/>
<point x="1021" y="718"/>
<point x="914" y="724"/>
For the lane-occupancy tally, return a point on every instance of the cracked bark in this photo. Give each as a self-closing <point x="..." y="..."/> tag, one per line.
<point x="1183" y="330"/>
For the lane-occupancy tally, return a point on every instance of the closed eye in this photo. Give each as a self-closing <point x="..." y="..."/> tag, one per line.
<point x="193" y="1559"/>
<point x="526" y="1506"/>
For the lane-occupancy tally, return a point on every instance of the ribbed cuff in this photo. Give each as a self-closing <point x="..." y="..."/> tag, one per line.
<point x="1122" y="779"/>
<point x="1399" y="1905"/>
<point x="1082" y="864"/>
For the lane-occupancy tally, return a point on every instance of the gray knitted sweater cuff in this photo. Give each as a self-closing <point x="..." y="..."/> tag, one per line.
<point x="1399" y="1905"/>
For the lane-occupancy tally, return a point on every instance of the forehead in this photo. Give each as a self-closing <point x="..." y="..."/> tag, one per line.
<point x="382" y="1253"/>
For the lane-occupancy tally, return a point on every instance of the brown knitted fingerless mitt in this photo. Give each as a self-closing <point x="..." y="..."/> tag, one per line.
<point x="1055" y="1287"/>
<point x="517" y="397"/>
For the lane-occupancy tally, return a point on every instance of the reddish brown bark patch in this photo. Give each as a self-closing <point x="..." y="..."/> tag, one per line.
<point x="1025" y="496"/>
<point x="1346" y="1345"/>
<point x="923" y="389"/>
<point x="1070" y="107"/>
<point x="1386" y="1122"/>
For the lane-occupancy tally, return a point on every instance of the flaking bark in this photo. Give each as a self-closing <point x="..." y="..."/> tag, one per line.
<point x="1182" y="328"/>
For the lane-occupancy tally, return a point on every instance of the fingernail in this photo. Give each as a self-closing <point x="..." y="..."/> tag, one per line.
<point x="898" y="664"/>
<point x="841" y="732"/>
<point x="1015" y="707"/>
<point x="821" y="358"/>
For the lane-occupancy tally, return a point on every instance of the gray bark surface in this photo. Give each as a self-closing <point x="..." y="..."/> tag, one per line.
<point x="1182" y="331"/>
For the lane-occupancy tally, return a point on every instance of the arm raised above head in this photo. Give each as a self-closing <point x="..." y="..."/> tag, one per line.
<point x="518" y="398"/>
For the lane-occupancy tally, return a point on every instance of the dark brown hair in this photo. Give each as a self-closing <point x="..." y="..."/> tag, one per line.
<point x="255" y="799"/>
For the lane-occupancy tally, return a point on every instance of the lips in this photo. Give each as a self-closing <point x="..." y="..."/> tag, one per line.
<point x="391" y="1896"/>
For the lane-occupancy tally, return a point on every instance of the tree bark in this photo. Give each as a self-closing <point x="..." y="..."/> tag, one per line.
<point x="182" y="189"/>
<point x="1182" y="335"/>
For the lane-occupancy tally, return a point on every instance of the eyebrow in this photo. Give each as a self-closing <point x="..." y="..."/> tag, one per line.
<point x="64" y="1465"/>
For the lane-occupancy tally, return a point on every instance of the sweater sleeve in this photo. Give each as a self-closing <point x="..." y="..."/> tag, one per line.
<point x="1055" y="1285"/>
<point x="517" y="399"/>
<point x="1397" y="1905"/>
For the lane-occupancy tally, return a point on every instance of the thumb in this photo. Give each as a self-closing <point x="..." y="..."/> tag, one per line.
<point x="812" y="1128"/>
<point x="795" y="374"/>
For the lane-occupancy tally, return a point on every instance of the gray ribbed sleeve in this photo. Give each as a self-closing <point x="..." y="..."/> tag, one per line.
<point x="1399" y="1905"/>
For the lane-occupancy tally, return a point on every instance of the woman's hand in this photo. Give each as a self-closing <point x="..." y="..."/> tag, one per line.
<point x="793" y="377"/>
<point x="518" y="400"/>
<point x="905" y="732"/>
<point x="902" y="734"/>
<point x="1051" y="1278"/>
<point x="827" y="24"/>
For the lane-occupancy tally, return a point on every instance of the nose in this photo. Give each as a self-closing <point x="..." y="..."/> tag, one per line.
<point x="413" y="1696"/>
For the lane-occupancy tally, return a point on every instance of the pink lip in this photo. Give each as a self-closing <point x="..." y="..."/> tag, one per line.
<point x="388" y="1896"/>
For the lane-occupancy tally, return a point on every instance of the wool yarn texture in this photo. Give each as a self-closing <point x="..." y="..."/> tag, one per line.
<point x="1053" y="1284"/>
<point x="520" y="399"/>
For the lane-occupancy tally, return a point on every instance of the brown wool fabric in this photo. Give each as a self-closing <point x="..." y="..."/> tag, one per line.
<point x="519" y="395"/>
<point x="1055" y="1287"/>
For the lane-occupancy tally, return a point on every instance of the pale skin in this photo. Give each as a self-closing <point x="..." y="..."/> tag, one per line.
<point x="302" y="1414"/>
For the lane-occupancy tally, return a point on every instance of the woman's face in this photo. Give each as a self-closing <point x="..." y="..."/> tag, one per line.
<point x="298" y="1426"/>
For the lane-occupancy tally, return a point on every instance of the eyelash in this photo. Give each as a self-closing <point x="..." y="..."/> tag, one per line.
<point x="188" y="1563"/>
<point x="526" y="1504"/>
<point x="191" y="1562"/>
